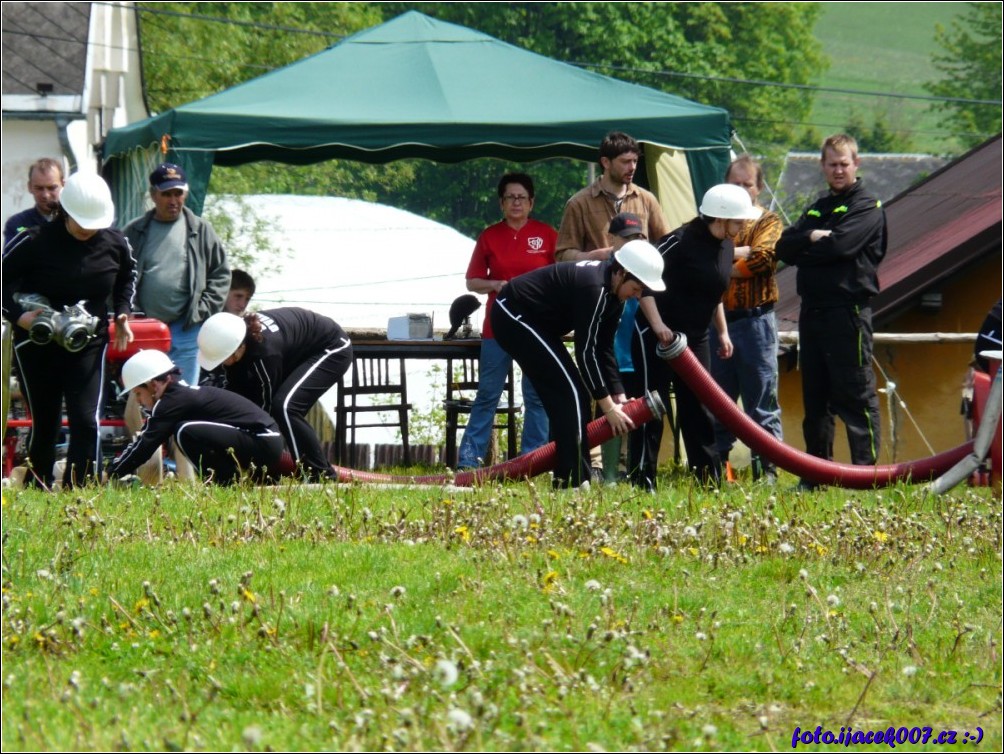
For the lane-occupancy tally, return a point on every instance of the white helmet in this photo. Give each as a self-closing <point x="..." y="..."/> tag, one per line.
<point x="644" y="261"/>
<point x="728" y="202"/>
<point x="142" y="367"/>
<point x="220" y="336"/>
<point x="88" y="200"/>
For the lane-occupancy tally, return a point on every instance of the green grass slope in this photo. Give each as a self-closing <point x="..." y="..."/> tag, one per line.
<point x="883" y="47"/>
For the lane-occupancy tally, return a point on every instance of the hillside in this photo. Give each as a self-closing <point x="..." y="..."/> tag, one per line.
<point x="882" y="47"/>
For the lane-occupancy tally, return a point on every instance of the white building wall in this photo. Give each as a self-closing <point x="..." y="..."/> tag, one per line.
<point x="24" y="141"/>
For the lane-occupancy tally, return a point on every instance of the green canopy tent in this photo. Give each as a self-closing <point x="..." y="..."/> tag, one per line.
<point x="419" y="87"/>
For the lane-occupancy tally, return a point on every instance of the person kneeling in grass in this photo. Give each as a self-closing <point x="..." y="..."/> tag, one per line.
<point x="221" y="433"/>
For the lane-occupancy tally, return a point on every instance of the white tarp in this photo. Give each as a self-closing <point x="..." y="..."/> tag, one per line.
<point x="357" y="262"/>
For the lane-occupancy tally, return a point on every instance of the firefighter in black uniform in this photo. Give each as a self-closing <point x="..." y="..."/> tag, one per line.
<point x="697" y="267"/>
<point x="283" y="360"/>
<point x="75" y="258"/>
<point x="222" y="434"/>
<point x="532" y="314"/>
<point x="837" y="245"/>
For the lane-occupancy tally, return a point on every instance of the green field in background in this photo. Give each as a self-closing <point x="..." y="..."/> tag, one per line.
<point x="882" y="47"/>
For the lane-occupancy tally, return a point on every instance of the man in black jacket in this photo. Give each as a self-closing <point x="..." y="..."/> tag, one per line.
<point x="837" y="245"/>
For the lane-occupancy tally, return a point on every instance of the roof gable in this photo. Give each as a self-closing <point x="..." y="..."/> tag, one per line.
<point x="45" y="43"/>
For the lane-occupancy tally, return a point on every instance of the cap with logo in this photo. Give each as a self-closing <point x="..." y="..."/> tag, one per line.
<point x="627" y="224"/>
<point x="168" y="176"/>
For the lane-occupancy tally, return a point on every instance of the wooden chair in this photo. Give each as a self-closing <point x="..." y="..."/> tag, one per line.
<point x="461" y="389"/>
<point x="379" y="387"/>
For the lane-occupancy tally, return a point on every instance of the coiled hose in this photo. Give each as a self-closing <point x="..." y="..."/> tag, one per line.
<point x="809" y="468"/>
<point x="639" y="410"/>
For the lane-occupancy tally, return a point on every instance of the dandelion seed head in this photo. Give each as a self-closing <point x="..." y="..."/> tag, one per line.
<point x="709" y="730"/>
<point x="252" y="736"/>
<point x="832" y="600"/>
<point x="701" y="636"/>
<point x="445" y="672"/>
<point x="785" y="548"/>
<point x="593" y="585"/>
<point x="397" y="592"/>
<point x="459" y="720"/>
<point x="910" y="670"/>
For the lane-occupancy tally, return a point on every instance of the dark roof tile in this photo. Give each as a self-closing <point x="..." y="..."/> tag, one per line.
<point x="45" y="43"/>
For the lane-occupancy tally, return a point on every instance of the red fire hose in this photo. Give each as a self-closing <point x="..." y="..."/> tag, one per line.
<point x="639" y="410"/>
<point x="809" y="468"/>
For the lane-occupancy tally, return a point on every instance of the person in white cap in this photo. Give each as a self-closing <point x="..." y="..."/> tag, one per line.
<point x="532" y="314"/>
<point x="698" y="265"/>
<point x="283" y="360"/>
<point x="224" y="435"/>
<point x="77" y="258"/>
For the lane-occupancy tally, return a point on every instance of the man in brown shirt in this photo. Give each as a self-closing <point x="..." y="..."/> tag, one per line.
<point x="583" y="231"/>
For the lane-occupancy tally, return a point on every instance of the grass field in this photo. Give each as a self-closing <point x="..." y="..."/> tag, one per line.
<point x="503" y="618"/>
<point x="883" y="47"/>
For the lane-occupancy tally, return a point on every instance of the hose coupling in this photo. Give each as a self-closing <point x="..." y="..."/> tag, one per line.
<point x="676" y="347"/>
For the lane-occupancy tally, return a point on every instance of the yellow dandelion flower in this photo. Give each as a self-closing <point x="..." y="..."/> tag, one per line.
<point x="743" y="539"/>
<point x="531" y="539"/>
<point x="647" y="514"/>
<point x="880" y="536"/>
<point x="820" y="550"/>
<point x="549" y="578"/>
<point x="141" y="603"/>
<point x="762" y="548"/>
<point x="693" y="551"/>
<point x="464" y="534"/>
<point x="553" y="555"/>
<point x="154" y="633"/>
<point x="248" y="596"/>
<point x="677" y="618"/>
<point x="611" y="553"/>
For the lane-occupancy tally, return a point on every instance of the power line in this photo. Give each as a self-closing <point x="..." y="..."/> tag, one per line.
<point x="580" y="64"/>
<point x="233" y="22"/>
<point x="609" y="66"/>
<point x="780" y="85"/>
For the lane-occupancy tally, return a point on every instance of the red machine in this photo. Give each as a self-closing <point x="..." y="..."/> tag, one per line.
<point x="148" y="334"/>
